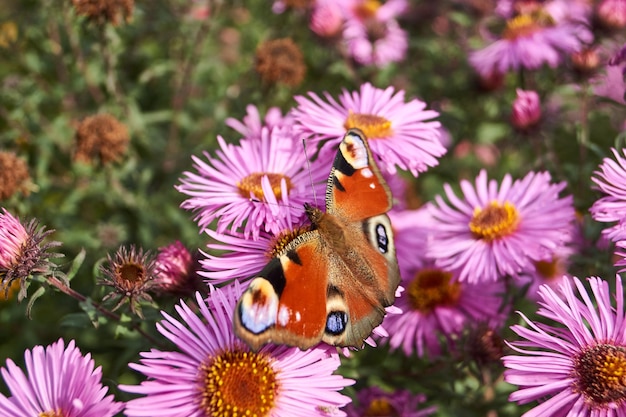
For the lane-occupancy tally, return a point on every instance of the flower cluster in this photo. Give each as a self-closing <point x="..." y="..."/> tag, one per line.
<point x="368" y="29"/>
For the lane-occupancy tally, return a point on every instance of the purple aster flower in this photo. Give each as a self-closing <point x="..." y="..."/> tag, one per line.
<point x="611" y="84"/>
<point x="252" y="125"/>
<point x="23" y="251"/>
<point x="434" y="304"/>
<point x="610" y="179"/>
<point x="529" y="41"/>
<point x="175" y="271"/>
<point x="372" y="34"/>
<point x="242" y="257"/>
<point x="373" y="401"/>
<point x="497" y="230"/>
<point x="526" y="111"/>
<point x="60" y="381"/>
<point x="577" y="367"/>
<point x="212" y="372"/>
<point x="252" y="184"/>
<point x="399" y="133"/>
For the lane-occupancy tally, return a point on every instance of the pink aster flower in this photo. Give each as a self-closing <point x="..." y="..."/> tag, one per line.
<point x="373" y="401"/>
<point x="175" y="270"/>
<point x="251" y="185"/>
<point x="529" y="41"/>
<point x="205" y="376"/>
<point x="327" y="18"/>
<point x="611" y="84"/>
<point x="498" y="230"/>
<point x="241" y="257"/>
<point x="526" y="111"/>
<point x="574" y="368"/>
<point x="434" y="305"/>
<point x="610" y="179"/>
<point x="252" y="125"/>
<point x="619" y="237"/>
<point x="375" y="42"/>
<point x="23" y="251"/>
<point x="60" y="381"/>
<point x="400" y="134"/>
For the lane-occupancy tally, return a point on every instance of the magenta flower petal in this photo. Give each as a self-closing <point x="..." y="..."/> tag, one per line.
<point x="203" y="376"/>
<point x="401" y="134"/>
<point x="251" y="185"/>
<point x="497" y="230"/>
<point x="59" y="381"/>
<point x="572" y="367"/>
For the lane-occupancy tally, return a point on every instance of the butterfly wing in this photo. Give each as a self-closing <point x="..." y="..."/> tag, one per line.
<point x="286" y="302"/>
<point x="366" y="274"/>
<point x="356" y="189"/>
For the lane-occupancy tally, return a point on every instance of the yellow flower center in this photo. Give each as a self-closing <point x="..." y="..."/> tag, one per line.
<point x="600" y="373"/>
<point x="374" y="127"/>
<point x="252" y="185"/>
<point x="380" y="407"/>
<point x="548" y="269"/>
<point x="367" y="9"/>
<point x="432" y="288"/>
<point x="55" y="413"/>
<point x="527" y="24"/>
<point x="494" y="221"/>
<point x="238" y="383"/>
<point x="282" y="239"/>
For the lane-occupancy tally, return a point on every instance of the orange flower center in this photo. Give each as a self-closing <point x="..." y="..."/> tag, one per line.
<point x="527" y="24"/>
<point x="600" y="373"/>
<point x="55" y="413"/>
<point x="367" y="9"/>
<point x="494" y="221"/>
<point x="251" y="185"/>
<point x="374" y="127"/>
<point x="238" y="383"/>
<point x="432" y="288"/>
<point x="380" y="407"/>
<point x="282" y="239"/>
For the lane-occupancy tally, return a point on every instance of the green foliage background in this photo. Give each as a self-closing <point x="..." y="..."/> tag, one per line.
<point x="174" y="80"/>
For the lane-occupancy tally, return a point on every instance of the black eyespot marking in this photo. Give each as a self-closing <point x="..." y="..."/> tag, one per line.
<point x="273" y="272"/>
<point x="336" y="322"/>
<point x="381" y="238"/>
<point x="293" y="257"/>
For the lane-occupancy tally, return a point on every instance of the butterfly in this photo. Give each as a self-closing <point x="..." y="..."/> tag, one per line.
<point x="332" y="283"/>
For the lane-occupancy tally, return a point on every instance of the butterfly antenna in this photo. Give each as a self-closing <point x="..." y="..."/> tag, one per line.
<point x="308" y="164"/>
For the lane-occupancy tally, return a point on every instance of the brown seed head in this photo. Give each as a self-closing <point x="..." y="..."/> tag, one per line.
<point x="14" y="175"/>
<point x="280" y="60"/>
<point x="105" y="11"/>
<point x="101" y="136"/>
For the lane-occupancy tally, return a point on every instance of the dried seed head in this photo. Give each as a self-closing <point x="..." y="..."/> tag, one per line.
<point x="101" y="136"/>
<point x="105" y="11"/>
<point x="130" y="272"/>
<point x="14" y="176"/>
<point x="281" y="61"/>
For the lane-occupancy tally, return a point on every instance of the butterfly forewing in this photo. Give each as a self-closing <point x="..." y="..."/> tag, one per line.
<point x="356" y="189"/>
<point x="330" y="284"/>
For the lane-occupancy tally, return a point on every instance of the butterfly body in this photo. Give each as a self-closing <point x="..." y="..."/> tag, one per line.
<point x="333" y="282"/>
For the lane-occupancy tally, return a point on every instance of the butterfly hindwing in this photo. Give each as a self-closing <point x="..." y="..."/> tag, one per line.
<point x="286" y="302"/>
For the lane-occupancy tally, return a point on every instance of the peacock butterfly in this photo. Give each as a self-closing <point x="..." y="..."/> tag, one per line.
<point x="332" y="283"/>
